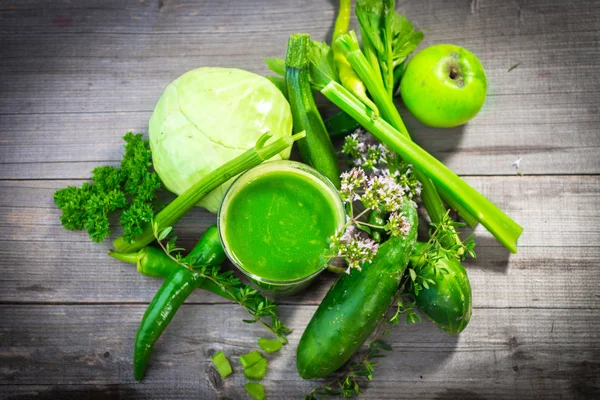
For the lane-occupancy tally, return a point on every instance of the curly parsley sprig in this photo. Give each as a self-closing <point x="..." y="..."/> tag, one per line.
<point x="130" y="188"/>
<point x="259" y="307"/>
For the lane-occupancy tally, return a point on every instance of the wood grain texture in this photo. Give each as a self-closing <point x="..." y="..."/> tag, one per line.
<point x="560" y="240"/>
<point x="93" y="62"/>
<point x="514" y="349"/>
<point x="76" y="75"/>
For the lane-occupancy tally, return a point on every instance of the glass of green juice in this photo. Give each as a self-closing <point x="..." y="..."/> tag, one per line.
<point x="275" y="222"/>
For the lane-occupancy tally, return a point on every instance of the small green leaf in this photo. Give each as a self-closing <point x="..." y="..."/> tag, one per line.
<point x="413" y="274"/>
<point x="165" y="232"/>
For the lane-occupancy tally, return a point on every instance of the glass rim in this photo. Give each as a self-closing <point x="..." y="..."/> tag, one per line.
<point x="291" y="165"/>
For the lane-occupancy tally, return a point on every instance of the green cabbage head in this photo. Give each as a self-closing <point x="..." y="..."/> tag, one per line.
<point x="209" y="116"/>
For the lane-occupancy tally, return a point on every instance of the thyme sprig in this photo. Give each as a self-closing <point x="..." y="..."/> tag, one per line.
<point x="435" y="249"/>
<point x="261" y="309"/>
<point x="405" y="306"/>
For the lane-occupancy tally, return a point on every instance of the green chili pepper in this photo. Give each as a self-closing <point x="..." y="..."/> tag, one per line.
<point x="155" y="263"/>
<point x="150" y="261"/>
<point x="171" y="295"/>
<point x="348" y="77"/>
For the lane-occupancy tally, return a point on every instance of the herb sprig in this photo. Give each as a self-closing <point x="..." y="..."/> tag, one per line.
<point x="261" y="309"/>
<point x="130" y="188"/>
<point x="435" y="249"/>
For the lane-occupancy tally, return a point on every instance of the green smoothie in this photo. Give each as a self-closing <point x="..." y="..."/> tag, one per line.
<point x="278" y="220"/>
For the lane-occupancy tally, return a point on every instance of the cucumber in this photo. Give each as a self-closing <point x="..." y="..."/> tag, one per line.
<point x="354" y="306"/>
<point x="448" y="303"/>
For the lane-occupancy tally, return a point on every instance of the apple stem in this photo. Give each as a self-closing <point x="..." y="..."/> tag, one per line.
<point x="453" y="73"/>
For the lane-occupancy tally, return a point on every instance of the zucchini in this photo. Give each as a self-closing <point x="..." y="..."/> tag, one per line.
<point x="448" y="302"/>
<point x="354" y="306"/>
<point x="316" y="148"/>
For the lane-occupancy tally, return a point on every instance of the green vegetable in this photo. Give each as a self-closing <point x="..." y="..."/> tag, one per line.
<point x="340" y="124"/>
<point x="269" y="345"/>
<point x="354" y="306"/>
<point x="259" y="307"/>
<point x="256" y="371"/>
<point x="155" y="263"/>
<point x="209" y="116"/>
<point x="222" y="364"/>
<point x="383" y="97"/>
<point x="447" y="301"/>
<point x="388" y="38"/>
<point x="499" y="224"/>
<point x="249" y="359"/>
<point x="255" y="390"/>
<point x="149" y="261"/>
<point x="129" y="188"/>
<point x="171" y="295"/>
<point x="348" y="77"/>
<point x="316" y="148"/>
<point x="321" y="67"/>
<point x="184" y="202"/>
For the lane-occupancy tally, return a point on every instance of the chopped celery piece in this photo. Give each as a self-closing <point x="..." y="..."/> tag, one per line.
<point x="222" y="364"/>
<point x="269" y="345"/>
<point x="255" y="390"/>
<point x="257" y="371"/>
<point x="249" y="359"/>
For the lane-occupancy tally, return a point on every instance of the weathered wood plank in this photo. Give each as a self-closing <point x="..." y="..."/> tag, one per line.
<point x="557" y="211"/>
<point x="43" y="262"/>
<point x="59" y="70"/>
<point x="72" y="145"/>
<point x="120" y="83"/>
<point x="503" y="353"/>
<point x="563" y="277"/>
<point x="500" y="18"/>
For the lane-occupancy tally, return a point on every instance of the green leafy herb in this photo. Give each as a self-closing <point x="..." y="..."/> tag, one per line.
<point x="322" y="69"/>
<point x="130" y="188"/>
<point x="259" y="307"/>
<point x="388" y="38"/>
<point x="437" y="248"/>
<point x="407" y="308"/>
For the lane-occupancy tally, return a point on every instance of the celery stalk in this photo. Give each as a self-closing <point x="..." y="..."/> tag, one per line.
<point x="348" y="44"/>
<point x="185" y="201"/>
<point x="504" y="229"/>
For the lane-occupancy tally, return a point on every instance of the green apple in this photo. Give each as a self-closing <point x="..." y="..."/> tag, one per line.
<point x="444" y="86"/>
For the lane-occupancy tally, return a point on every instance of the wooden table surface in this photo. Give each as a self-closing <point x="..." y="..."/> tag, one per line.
<point x="76" y="75"/>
